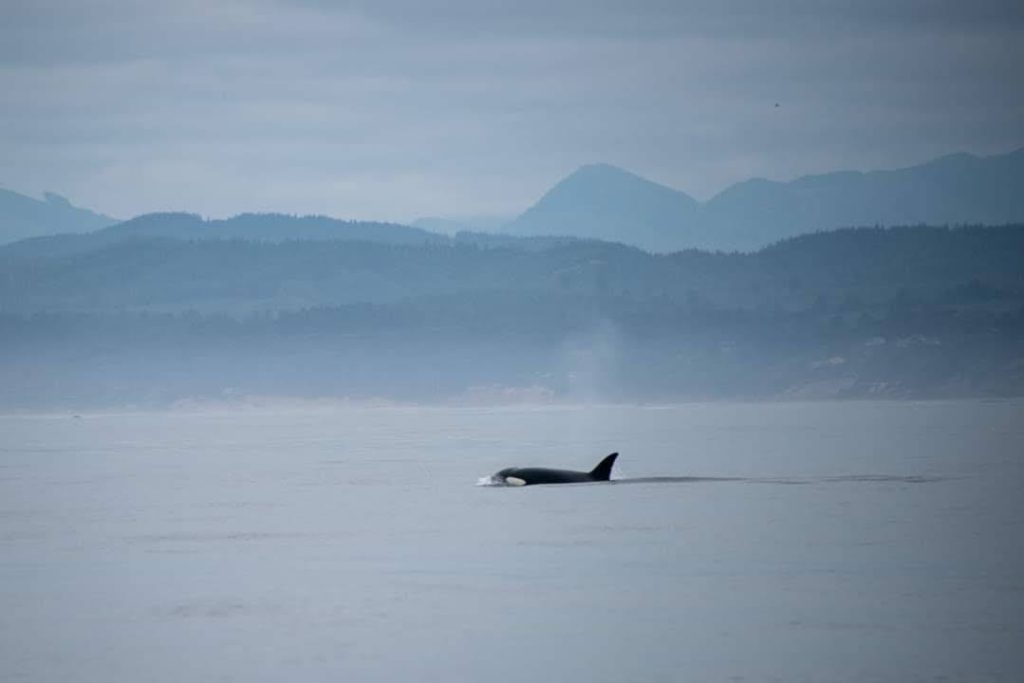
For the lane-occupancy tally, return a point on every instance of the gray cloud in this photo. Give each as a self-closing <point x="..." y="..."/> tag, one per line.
<point x="399" y="109"/>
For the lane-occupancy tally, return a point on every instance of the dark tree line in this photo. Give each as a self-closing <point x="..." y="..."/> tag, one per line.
<point x="914" y="311"/>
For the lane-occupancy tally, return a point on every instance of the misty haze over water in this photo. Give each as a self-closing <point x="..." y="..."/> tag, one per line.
<point x="857" y="541"/>
<point x="281" y="281"/>
<point x="168" y="308"/>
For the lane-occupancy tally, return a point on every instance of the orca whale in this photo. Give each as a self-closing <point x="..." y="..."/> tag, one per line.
<point x="528" y="476"/>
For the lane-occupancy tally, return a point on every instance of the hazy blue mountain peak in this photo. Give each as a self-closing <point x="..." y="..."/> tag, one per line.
<point x="22" y="216"/>
<point x="955" y="158"/>
<point x="56" y="199"/>
<point x="597" y="177"/>
<point x="601" y="169"/>
<point x="750" y="185"/>
<point x="606" y="202"/>
<point x="824" y="180"/>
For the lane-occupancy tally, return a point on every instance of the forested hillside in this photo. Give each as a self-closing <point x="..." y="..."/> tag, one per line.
<point x="903" y="312"/>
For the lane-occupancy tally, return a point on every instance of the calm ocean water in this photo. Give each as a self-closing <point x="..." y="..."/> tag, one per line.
<point x="853" y="542"/>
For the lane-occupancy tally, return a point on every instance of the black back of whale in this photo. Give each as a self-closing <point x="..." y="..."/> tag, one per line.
<point x="544" y="475"/>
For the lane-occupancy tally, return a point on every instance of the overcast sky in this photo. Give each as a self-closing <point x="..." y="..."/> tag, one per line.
<point x="395" y="110"/>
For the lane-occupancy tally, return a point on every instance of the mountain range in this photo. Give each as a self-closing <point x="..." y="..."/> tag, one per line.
<point x="608" y="203"/>
<point x="603" y="202"/>
<point x="22" y="217"/>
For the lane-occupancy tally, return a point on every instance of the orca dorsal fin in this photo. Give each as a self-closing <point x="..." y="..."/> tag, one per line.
<point x="603" y="471"/>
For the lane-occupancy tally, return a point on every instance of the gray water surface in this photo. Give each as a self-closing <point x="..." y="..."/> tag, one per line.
<point x="762" y="542"/>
